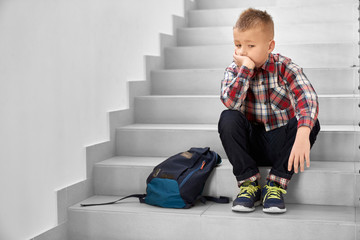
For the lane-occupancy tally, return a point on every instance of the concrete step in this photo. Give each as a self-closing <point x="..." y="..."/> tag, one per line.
<point x="215" y="4"/>
<point x="132" y="220"/>
<point x="208" y="81"/>
<point x="305" y="55"/>
<point x="207" y="109"/>
<point x="334" y="143"/>
<point x="324" y="13"/>
<point x="303" y="33"/>
<point x="127" y="175"/>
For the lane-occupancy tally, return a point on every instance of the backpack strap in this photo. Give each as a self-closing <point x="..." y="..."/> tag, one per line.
<point x="139" y="196"/>
<point x="220" y="199"/>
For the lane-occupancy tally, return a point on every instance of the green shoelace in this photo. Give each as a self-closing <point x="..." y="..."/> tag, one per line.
<point x="247" y="190"/>
<point x="273" y="192"/>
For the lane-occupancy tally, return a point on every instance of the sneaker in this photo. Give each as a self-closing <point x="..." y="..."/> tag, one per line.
<point x="248" y="198"/>
<point x="273" y="200"/>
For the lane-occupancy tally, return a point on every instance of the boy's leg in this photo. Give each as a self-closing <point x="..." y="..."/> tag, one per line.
<point x="235" y="131"/>
<point x="280" y="142"/>
<point x="240" y="141"/>
<point x="279" y="145"/>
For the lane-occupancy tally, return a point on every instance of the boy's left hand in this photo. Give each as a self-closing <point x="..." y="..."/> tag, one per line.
<point x="243" y="61"/>
<point x="300" y="151"/>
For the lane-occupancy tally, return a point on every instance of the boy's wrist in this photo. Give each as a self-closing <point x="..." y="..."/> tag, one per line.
<point x="249" y="64"/>
<point x="303" y="131"/>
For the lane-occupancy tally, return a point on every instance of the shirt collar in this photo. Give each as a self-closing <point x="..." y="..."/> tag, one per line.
<point x="269" y="65"/>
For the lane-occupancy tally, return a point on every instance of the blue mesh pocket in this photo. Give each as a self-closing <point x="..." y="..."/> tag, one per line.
<point x="164" y="193"/>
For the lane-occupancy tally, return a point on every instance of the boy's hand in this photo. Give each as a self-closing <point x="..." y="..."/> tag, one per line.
<point x="300" y="151"/>
<point x="243" y="61"/>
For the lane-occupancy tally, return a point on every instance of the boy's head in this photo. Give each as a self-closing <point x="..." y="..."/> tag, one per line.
<point x="254" y="35"/>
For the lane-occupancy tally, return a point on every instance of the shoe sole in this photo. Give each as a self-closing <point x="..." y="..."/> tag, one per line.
<point x="240" y="208"/>
<point x="274" y="210"/>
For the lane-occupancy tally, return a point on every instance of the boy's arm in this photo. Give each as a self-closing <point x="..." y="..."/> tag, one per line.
<point x="235" y="84"/>
<point x="307" y="108"/>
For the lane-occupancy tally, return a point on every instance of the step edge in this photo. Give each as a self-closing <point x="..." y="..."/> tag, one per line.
<point x="225" y="166"/>
<point x="182" y="96"/>
<point x="207" y="209"/>
<point x="182" y="70"/>
<point x="287" y="44"/>
<point x="339" y="23"/>
<point x="268" y="8"/>
<point x="213" y="127"/>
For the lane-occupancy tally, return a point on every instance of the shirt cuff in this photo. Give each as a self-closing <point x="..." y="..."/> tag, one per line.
<point x="245" y="72"/>
<point x="306" y="121"/>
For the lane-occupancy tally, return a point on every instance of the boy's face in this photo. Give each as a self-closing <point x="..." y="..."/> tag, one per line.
<point x="253" y="43"/>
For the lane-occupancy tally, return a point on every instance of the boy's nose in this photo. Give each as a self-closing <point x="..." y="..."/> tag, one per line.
<point x="242" y="52"/>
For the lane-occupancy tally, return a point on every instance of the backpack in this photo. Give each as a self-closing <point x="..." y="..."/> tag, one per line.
<point x="178" y="182"/>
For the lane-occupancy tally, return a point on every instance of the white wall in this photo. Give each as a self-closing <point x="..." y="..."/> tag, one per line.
<point x="63" y="65"/>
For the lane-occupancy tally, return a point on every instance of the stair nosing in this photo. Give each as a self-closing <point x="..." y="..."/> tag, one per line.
<point x="172" y="70"/>
<point x="118" y="162"/>
<point x="207" y="210"/>
<point x="346" y="96"/>
<point x="267" y="8"/>
<point x="213" y="127"/>
<point x="279" y="44"/>
<point x="340" y="23"/>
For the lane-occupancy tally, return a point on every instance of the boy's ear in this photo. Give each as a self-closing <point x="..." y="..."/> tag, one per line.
<point x="271" y="46"/>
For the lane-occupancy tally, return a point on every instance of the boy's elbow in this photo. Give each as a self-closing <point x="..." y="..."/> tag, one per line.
<point x="231" y="104"/>
<point x="226" y="102"/>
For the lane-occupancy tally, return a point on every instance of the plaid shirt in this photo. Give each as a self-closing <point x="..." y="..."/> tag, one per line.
<point x="272" y="94"/>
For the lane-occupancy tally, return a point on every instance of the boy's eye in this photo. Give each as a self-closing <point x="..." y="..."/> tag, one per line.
<point x="239" y="46"/>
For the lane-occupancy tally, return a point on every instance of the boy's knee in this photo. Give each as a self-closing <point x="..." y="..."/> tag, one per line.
<point x="314" y="132"/>
<point x="231" y="120"/>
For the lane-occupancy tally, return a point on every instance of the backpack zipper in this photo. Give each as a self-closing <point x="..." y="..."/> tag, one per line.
<point x="192" y="173"/>
<point x="203" y="164"/>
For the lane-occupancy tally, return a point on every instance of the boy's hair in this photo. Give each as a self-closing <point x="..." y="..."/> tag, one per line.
<point x="252" y="18"/>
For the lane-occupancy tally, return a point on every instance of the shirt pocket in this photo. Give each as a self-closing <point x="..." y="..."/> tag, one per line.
<point x="279" y="99"/>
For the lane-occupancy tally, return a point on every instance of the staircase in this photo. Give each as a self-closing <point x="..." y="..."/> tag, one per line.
<point x="183" y="110"/>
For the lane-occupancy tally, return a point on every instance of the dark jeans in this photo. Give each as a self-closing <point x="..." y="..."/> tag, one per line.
<point x="248" y="145"/>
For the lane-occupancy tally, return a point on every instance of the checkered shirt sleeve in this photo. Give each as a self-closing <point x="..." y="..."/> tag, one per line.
<point x="234" y="86"/>
<point x="306" y="99"/>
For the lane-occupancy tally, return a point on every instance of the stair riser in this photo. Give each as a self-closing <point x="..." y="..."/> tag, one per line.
<point x="214" y="4"/>
<point x="296" y="15"/>
<point x="304" y="188"/>
<point x="207" y="82"/>
<point x="126" y="180"/>
<point x="344" y="145"/>
<point x="284" y="34"/>
<point x="155" y="225"/>
<point x="201" y="109"/>
<point x="306" y="56"/>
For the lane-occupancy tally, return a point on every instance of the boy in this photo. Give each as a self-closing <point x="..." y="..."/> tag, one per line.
<point x="271" y="118"/>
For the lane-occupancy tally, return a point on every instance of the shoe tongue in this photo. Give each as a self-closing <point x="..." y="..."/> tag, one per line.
<point x="273" y="184"/>
<point x="247" y="183"/>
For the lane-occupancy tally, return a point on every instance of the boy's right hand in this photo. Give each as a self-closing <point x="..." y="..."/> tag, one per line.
<point x="243" y="61"/>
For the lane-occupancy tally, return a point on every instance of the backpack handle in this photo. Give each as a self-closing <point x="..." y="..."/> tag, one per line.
<point x="201" y="151"/>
